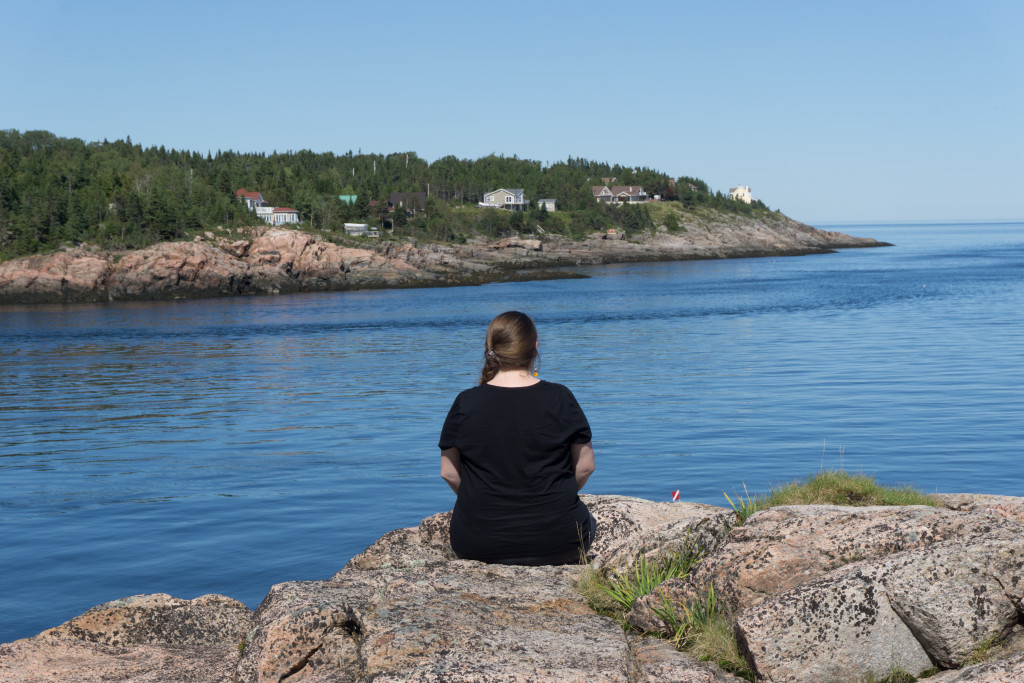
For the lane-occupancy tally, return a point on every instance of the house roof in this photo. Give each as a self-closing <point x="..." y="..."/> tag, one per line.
<point x="631" y="190"/>
<point x="513" y="191"/>
<point x="285" y="209"/>
<point x="251" y="195"/>
<point x="410" y="198"/>
<point x="598" y="189"/>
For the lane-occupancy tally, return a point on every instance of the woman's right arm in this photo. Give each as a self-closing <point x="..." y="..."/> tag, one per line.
<point x="582" y="462"/>
<point x="451" y="467"/>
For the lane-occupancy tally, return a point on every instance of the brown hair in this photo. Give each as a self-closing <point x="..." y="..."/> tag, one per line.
<point x="511" y="343"/>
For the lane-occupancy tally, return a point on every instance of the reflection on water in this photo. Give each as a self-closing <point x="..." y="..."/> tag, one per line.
<point x="226" y="445"/>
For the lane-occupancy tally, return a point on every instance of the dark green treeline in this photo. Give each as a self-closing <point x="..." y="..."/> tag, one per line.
<point x="58" y="191"/>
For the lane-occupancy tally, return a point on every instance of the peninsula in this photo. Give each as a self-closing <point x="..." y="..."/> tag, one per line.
<point x="112" y="221"/>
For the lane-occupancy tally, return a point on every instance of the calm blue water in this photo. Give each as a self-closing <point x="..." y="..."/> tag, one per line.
<point x="227" y="445"/>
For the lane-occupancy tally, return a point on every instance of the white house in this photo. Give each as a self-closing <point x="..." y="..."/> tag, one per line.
<point x="620" y="194"/>
<point x="741" y="193"/>
<point x="549" y="204"/>
<point x="275" y="215"/>
<point x="282" y="215"/>
<point x="512" y="200"/>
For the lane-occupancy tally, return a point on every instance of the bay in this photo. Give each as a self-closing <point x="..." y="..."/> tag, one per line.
<point x="226" y="445"/>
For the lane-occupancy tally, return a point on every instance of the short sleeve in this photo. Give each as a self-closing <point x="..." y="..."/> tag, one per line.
<point x="575" y="419"/>
<point x="450" y="430"/>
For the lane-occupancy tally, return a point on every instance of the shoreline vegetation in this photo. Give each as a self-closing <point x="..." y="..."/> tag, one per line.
<point x="111" y="221"/>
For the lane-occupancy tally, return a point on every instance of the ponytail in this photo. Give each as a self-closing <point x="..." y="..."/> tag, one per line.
<point x="511" y="343"/>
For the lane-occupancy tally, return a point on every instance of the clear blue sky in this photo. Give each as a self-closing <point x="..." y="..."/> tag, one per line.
<point x="854" y="111"/>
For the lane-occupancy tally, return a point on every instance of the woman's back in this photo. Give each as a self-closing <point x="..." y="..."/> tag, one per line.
<point x="517" y="499"/>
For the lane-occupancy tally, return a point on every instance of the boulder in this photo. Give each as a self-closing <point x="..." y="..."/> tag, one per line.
<point x="834" y="629"/>
<point x="783" y="547"/>
<point x="1009" y="670"/>
<point x="140" y="638"/>
<point x="425" y="545"/>
<point x="907" y="612"/>
<point x="310" y="626"/>
<point x="460" y="621"/>
<point x="630" y="527"/>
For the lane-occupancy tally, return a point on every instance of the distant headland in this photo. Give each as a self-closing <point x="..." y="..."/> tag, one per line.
<point x="111" y="221"/>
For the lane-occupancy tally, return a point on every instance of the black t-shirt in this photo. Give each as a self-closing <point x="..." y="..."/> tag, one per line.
<point x="518" y="496"/>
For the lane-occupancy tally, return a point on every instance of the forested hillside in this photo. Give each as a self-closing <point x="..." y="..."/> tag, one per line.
<point x="57" y="191"/>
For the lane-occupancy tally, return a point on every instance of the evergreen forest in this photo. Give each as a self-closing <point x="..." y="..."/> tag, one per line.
<point x="57" y="192"/>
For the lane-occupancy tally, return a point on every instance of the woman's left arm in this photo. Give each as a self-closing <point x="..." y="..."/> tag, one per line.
<point x="451" y="467"/>
<point x="582" y="462"/>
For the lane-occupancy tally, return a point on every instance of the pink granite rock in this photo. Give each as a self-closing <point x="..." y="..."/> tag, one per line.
<point x="840" y="630"/>
<point x="934" y="604"/>
<point x="461" y="621"/>
<point x="1009" y="670"/>
<point x="783" y="547"/>
<point x="141" y="638"/>
<point x="1007" y="507"/>
<point x="626" y="527"/>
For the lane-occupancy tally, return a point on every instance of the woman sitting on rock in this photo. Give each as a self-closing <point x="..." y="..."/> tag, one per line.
<point x="516" y="449"/>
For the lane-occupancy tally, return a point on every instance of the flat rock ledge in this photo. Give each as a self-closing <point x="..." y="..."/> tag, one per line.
<point x="818" y="593"/>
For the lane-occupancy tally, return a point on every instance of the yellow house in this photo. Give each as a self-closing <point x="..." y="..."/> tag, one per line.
<point x="741" y="193"/>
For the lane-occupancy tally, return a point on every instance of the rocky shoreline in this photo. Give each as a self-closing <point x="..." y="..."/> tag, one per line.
<point x="817" y="593"/>
<point x="265" y="260"/>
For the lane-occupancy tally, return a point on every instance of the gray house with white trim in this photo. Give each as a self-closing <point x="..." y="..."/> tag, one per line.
<point x="512" y="200"/>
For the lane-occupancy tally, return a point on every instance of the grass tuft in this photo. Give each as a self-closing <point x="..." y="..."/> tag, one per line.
<point x="645" y="575"/>
<point x="838" y="487"/>
<point x="828" y="487"/>
<point x="705" y="632"/>
<point x="991" y="648"/>
<point x="613" y="593"/>
<point x="744" y="507"/>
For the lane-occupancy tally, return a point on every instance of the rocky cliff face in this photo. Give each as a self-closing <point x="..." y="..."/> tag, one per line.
<point x="273" y="261"/>
<point x="818" y="593"/>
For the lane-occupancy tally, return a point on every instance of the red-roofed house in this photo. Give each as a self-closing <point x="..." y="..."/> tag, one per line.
<point x="275" y="215"/>
<point x="251" y="199"/>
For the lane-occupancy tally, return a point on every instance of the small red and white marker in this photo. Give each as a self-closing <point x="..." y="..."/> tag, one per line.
<point x="675" y="496"/>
